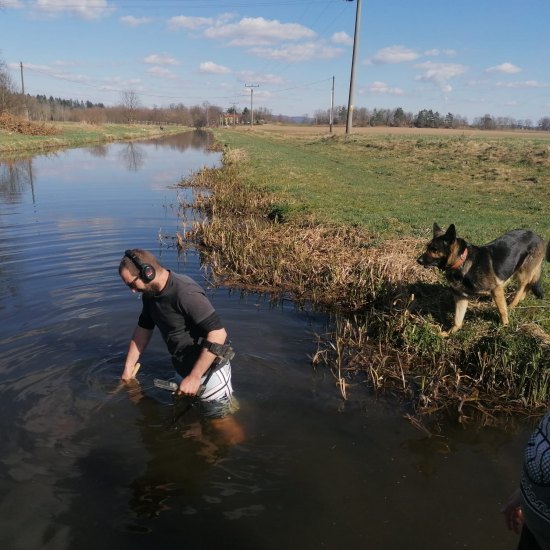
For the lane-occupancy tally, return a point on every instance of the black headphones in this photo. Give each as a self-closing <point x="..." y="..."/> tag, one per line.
<point x="146" y="271"/>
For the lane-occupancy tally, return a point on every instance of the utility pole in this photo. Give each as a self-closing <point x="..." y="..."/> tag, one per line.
<point x="206" y="106"/>
<point x="331" y="116"/>
<point x="349" y="119"/>
<point x="252" y="86"/>
<point x="23" y="92"/>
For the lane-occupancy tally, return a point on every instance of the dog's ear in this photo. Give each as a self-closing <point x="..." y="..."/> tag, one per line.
<point x="437" y="231"/>
<point x="450" y="235"/>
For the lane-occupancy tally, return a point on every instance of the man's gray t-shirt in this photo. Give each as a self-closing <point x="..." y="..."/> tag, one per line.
<point x="183" y="314"/>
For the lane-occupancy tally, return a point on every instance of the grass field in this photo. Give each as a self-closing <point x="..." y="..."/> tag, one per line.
<point x="353" y="213"/>
<point x="398" y="182"/>
<point x="73" y="134"/>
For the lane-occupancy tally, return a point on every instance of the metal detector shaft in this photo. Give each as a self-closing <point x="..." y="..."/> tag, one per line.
<point x="165" y="385"/>
<point x="172" y="386"/>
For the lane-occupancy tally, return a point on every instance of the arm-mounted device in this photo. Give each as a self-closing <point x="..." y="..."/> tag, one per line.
<point x="224" y="352"/>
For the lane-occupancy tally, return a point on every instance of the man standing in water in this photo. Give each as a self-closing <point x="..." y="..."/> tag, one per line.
<point x="190" y="327"/>
<point x="528" y="511"/>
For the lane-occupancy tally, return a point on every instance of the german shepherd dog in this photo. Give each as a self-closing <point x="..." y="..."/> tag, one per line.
<point x="479" y="270"/>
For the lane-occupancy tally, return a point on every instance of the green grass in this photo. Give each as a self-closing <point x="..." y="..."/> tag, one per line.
<point x="74" y="134"/>
<point x="400" y="185"/>
<point x="396" y="186"/>
<point x="357" y="210"/>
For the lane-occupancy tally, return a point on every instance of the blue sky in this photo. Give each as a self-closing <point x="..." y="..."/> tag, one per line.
<point x="467" y="57"/>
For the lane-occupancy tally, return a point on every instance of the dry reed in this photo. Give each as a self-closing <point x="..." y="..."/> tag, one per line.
<point x="386" y="305"/>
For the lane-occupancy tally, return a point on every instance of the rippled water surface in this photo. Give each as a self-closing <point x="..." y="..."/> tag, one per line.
<point x="86" y="465"/>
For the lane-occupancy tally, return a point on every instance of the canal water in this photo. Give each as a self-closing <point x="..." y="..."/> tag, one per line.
<point x="87" y="465"/>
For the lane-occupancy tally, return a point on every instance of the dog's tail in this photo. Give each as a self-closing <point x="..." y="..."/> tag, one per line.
<point x="548" y="252"/>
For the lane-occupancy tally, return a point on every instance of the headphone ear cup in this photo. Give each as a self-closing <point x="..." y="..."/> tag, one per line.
<point x="147" y="273"/>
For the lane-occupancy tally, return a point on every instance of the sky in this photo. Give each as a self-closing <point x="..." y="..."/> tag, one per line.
<point x="466" y="57"/>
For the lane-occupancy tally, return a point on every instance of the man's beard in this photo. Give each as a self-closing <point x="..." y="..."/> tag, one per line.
<point x="151" y="290"/>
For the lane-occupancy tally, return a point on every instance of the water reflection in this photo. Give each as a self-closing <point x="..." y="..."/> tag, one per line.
<point x="133" y="156"/>
<point x="15" y="177"/>
<point x="83" y="467"/>
<point x="100" y="151"/>
<point x="198" y="140"/>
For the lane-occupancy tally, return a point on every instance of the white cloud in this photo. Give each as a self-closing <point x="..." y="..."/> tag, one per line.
<point x="161" y="72"/>
<point x="85" y="9"/>
<point x="383" y="88"/>
<point x="439" y="74"/>
<point x="117" y="83"/>
<point x="295" y="53"/>
<point x="12" y="4"/>
<point x="31" y="66"/>
<point x="342" y="38"/>
<point x="156" y="59"/>
<point x="476" y="83"/>
<point x="527" y="84"/>
<point x="135" y="21"/>
<point x="213" y="68"/>
<point x="195" y="23"/>
<point x="60" y="63"/>
<point x="189" y="23"/>
<point x="506" y="68"/>
<point x="249" y="76"/>
<point x="258" y="31"/>
<point x="394" y="54"/>
<point x="53" y="72"/>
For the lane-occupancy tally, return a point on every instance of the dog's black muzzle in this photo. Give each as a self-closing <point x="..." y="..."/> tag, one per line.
<point x="424" y="261"/>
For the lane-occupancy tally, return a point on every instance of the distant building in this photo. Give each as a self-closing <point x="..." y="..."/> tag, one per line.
<point x="229" y="119"/>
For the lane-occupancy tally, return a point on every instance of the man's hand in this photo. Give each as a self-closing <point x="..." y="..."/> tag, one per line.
<point x="189" y="385"/>
<point x="513" y="514"/>
<point x="130" y="372"/>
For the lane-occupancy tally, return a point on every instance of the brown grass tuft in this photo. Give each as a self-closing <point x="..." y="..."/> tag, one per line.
<point x="388" y="308"/>
<point x="18" y="125"/>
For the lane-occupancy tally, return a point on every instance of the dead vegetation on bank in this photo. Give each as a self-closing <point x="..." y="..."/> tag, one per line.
<point x="387" y="310"/>
<point x="19" y="125"/>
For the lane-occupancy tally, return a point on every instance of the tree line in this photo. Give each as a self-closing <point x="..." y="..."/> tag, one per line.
<point x="129" y="109"/>
<point x="426" y="118"/>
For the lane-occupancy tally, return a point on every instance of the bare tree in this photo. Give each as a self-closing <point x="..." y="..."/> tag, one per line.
<point x="9" y="98"/>
<point x="130" y="103"/>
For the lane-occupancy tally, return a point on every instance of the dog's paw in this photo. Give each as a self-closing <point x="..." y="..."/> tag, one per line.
<point x="447" y="333"/>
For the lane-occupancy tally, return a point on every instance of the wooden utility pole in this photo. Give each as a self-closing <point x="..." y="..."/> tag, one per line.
<point x="251" y="86"/>
<point x="25" y="110"/>
<point x="331" y="116"/>
<point x="349" y="119"/>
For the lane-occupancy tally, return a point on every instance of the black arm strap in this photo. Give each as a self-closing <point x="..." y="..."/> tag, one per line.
<point x="223" y="351"/>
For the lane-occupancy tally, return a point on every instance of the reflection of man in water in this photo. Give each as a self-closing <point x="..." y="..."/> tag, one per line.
<point x="192" y="331"/>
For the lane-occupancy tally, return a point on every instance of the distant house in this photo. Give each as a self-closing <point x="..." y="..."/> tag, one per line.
<point x="229" y="119"/>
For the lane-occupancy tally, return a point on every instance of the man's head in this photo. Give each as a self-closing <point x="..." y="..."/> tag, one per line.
<point x="139" y="271"/>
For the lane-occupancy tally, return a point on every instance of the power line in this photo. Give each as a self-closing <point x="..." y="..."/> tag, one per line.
<point x="104" y="88"/>
<point x="194" y="4"/>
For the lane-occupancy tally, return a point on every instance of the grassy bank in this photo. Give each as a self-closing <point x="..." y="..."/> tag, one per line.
<point x="73" y="134"/>
<point x="340" y="220"/>
<point x="397" y="184"/>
